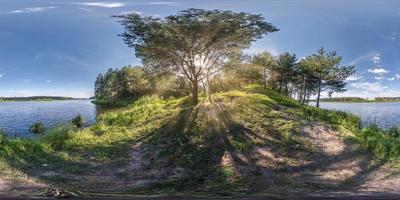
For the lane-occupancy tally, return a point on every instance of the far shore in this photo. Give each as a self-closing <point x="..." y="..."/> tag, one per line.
<point x="359" y="100"/>
<point x="38" y="98"/>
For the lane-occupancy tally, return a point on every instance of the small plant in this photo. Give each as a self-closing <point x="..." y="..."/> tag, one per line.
<point x="3" y="137"/>
<point x="78" y="121"/>
<point x="37" y="127"/>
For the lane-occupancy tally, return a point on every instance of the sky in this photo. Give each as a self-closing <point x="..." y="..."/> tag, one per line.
<point x="57" y="47"/>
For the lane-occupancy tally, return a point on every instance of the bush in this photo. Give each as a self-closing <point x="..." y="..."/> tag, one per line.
<point x="37" y="127"/>
<point x="78" y="121"/>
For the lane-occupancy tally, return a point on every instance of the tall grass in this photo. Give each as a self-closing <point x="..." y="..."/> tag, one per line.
<point x="384" y="144"/>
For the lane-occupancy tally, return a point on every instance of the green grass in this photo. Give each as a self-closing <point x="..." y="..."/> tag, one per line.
<point x="116" y="103"/>
<point x="69" y="150"/>
<point x="385" y="144"/>
<point x="178" y="134"/>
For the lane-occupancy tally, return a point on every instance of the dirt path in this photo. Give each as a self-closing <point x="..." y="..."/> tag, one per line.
<point x="20" y="187"/>
<point x="344" y="164"/>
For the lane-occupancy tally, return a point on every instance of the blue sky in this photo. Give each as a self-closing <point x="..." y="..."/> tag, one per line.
<point x="57" y="47"/>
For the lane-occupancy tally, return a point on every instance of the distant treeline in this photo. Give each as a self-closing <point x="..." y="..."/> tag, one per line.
<point x="35" y="98"/>
<point x="359" y="99"/>
<point x="344" y="99"/>
<point x="387" y="98"/>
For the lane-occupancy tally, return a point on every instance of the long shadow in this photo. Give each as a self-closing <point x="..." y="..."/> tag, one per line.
<point x="240" y="133"/>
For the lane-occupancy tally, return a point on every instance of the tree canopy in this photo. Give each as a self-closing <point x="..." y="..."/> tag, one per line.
<point x="125" y="83"/>
<point x="194" y="43"/>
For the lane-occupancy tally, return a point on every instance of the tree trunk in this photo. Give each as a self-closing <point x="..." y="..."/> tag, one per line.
<point x="209" y="89"/>
<point x="195" y="90"/>
<point x="265" y="78"/>
<point x="286" y="87"/>
<point x="319" y="92"/>
<point x="303" y="89"/>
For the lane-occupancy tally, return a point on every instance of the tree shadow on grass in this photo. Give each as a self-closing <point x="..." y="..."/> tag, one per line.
<point x="224" y="157"/>
<point x="217" y="152"/>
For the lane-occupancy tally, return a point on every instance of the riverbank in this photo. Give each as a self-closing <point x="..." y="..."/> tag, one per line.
<point x="245" y="142"/>
<point x="108" y="103"/>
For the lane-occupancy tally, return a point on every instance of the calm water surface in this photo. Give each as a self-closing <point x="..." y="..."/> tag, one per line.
<point x="16" y="117"/>
<point x="386" y="115"/>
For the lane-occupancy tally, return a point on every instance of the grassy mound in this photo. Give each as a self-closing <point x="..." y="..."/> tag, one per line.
<point x="236" y="144"/>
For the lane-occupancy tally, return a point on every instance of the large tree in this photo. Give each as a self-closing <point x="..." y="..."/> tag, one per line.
<point x="194" y="43"/>
<point x="328" y="71"/>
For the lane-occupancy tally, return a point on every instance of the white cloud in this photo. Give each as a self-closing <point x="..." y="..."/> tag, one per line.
<point x="391" y="36"/>
<point x="48" y="81"/>
<point x="73" y="92"/>
<point x="24" y="92"/>
<point x="255" y="50"/>
<point x="1" y="75"/>
<point x="378" y="71"/>
<point x="369" y="87"/>
<point x="27" y="80"/>
<point x="379" y="77"/>
<point x="32" y="10"/>
<point x="163" y="3"/>
<point x="391" y="79"/>
<point x="376" y="59"/>
<point x="361" y="58"/>
<point x="366" y="94"/>
<point x="397" y="76"/>
<point x="130" y="12"/>
<point x="84" y="9"/>
<point x="62" y="57"/>
<point x="353" y="78"/>
<point x="103" y="4"/>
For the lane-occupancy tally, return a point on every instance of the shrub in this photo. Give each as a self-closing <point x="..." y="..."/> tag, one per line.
<point x="37" y="127"/>
<point x="78" y="121"/>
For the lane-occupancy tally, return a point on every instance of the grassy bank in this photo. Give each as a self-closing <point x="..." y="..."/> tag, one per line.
<point x="116" y="103"/>
<point x="385" y="144"/>
<point x="183" y="144"/>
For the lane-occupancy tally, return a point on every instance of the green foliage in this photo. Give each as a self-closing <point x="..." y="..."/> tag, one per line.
<point x="385" y="144"/>
<point x="69" y="150"/>
<point x="268" y="64"/>
<point x="299" y="79"/>
<point x="37" y="128"/>
<point x="78" y="121"/>
<point x="120" y="84"/>
<point x="115" y="103"/>
<point x="194" y="43"/>
<point x="329" y="75"/>
<point x="285" y="70"/>
<point x="3" y="137"/>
